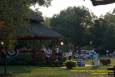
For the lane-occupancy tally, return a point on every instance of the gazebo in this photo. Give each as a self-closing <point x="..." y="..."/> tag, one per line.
<point x="35" y="30"/>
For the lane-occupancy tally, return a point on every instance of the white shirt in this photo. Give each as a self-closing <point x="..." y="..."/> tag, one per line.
<point x="57" y="50"/>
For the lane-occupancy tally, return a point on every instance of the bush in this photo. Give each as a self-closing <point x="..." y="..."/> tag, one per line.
<point x="70" y="64"/>
<point x="105" y="61"/>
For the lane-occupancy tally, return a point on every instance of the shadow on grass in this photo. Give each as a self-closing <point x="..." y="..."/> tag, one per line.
<point x="17" y="69"/>
<point x="37" y="71"/>
<point x="94" y="67"/>
<point x="101" y="67"/>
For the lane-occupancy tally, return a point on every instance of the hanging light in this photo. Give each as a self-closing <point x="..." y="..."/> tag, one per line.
<point x="2" y="43"/>
<point x="62" y="43"/>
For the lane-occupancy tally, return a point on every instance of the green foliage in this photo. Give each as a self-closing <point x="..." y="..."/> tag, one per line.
<point x="70" y="64"/>
<point x="14" y="13"/>
<point x="47" y="22"/>
<point x="102" y="32"/>
<point x="80" y="27"/>
<point x="73" y="23"/>
<point x="40" y="2"/>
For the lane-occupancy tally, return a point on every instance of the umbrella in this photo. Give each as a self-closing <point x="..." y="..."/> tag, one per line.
<point x="102" y="2"/>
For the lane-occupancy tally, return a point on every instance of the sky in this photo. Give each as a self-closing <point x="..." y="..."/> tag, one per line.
<point x="58" y="5"/>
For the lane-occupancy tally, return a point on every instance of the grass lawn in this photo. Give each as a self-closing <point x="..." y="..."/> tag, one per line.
<point x="35" y="71"/>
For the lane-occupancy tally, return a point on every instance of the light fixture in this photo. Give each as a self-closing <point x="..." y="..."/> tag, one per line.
<point x="62" y="43"/>
<point x="2" y="43"/>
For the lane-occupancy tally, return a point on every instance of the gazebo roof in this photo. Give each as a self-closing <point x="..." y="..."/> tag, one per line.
<point x="102" y="2"/>
<point x="36" y="30"/>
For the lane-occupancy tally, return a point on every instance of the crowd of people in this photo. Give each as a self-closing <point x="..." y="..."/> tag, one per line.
<point x="58" y="54"/>
<point x="49" y="53"/>
<point x="69" y="54"/>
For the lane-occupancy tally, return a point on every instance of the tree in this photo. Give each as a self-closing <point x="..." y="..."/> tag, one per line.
<point x="103" y="32"/>
<point x="73" y="23"/>
<point x="13" y="13"/>
<point x="40" y="2"/>
<point x="47" y="22"/>
<point x="98" y="32"/>
<point x="110" y="38"/>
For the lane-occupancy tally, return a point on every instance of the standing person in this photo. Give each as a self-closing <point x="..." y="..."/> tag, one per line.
<point x="66" y="55"/>
<point x="92" y="56"/>
<point x="107" y="53"/>
<point x="76" y="53"/>
<point x="48" y="55"/>
<point x="58" y="54"/>
<point x="80" y="60"/>
<point x="113" y="53"/>
<point x="70" y="53"/>
<point x="44" y="49"/>
<point x="44" y="52"/>
<point x="95" y="59"/>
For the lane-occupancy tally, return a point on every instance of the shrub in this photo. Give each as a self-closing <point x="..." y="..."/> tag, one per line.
<point x="105" y="61"/>
<point x="70" y="64"/>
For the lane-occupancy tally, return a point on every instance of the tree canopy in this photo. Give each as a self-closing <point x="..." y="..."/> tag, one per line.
<point x="13" y="13"/>
<point x="73" y="24"/>
<point x="103" y="32"/>
<point x="82" y="28"/>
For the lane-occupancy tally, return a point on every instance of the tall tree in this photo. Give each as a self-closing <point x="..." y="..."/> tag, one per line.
<point x="103" y="32"/>
<point x="73" y="23"/>
<point x="13" y="13"/>
<point x="110" y="38"/>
